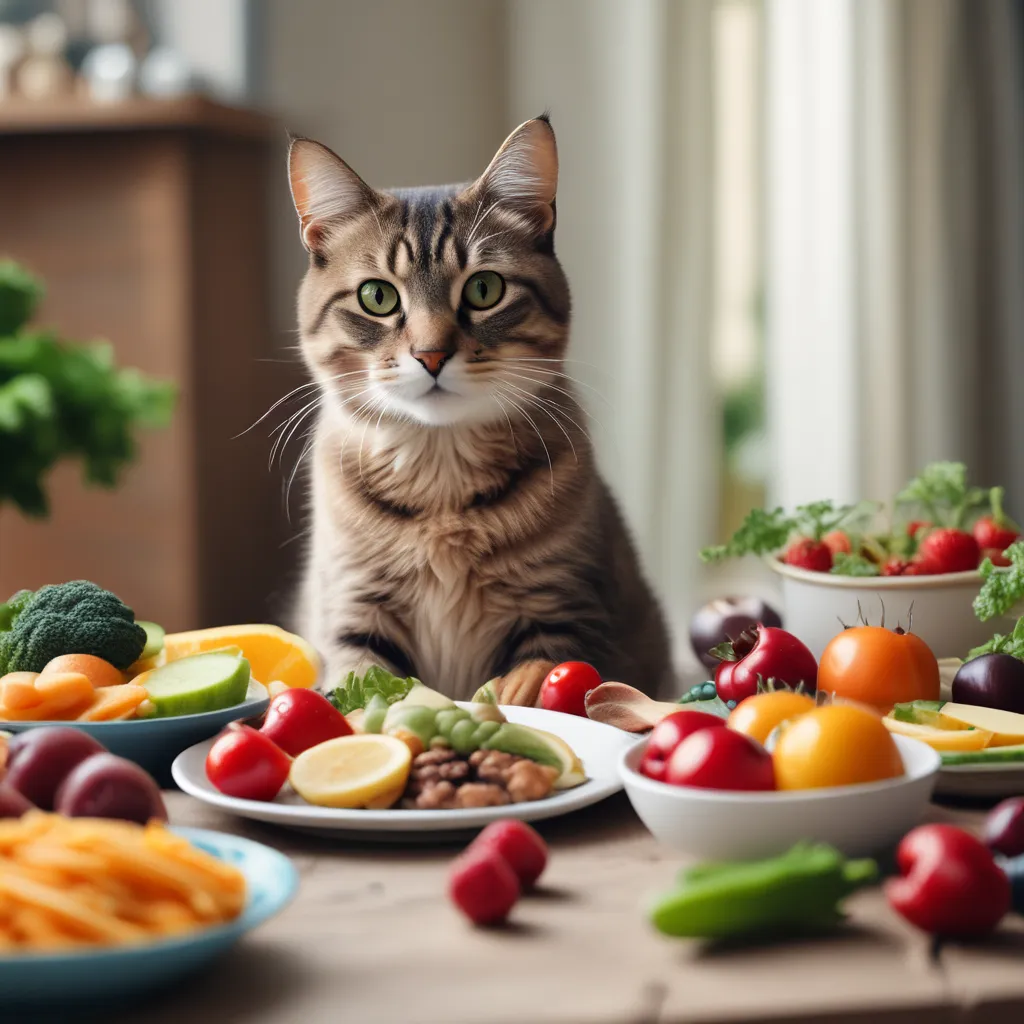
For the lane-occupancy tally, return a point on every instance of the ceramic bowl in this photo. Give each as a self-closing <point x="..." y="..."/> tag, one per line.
<point x="118" y="972"/>
<point x="154" y="743"/>
<point x="711" y="824"/>
<point x="816" y="603"/>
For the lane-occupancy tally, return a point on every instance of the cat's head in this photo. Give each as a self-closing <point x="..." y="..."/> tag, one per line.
<point x="438" y="305"/>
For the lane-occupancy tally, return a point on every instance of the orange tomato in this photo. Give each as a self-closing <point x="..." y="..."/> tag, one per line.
<point x="757" y="716"/>
<point x="841" y="745"/>
<point x="96" y="670"/>
<point x="878" y="666"/>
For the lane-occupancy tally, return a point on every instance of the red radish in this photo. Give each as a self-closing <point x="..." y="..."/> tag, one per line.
<point x="299" y="719"/>
<point x="244" y="763"/>
<point x="566" y="687"/>
<point x="838" y="542"/>
<point x="805" y="553"/>
<point x="996" y="530"/>
<point x="668" y="734"/>
<point x="721" y="759"/>
<point x="483" y="886"/>
<point x="996" y="556"/>
<point x="949" y="550"/>
<point x="521" y="847"/>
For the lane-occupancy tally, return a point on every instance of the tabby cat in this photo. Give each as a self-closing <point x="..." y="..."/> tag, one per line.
<point x="460" y="529"/>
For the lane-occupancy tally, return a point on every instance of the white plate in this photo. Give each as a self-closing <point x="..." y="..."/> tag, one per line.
<point x="597" y="746"/>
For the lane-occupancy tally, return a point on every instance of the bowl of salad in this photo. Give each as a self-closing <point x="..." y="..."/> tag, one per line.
<point x="942" y="555"/>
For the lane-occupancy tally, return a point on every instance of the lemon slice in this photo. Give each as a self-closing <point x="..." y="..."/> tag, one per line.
<point x="572" y="768"/>
<point x="352" y="771"/>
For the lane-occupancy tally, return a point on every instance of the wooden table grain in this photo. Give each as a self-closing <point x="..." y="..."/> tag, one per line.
<point x="371" y="938"/>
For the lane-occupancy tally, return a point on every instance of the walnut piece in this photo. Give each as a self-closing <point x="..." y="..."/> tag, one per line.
<point x="527" y="780"/>
<point x="480" y="794"/>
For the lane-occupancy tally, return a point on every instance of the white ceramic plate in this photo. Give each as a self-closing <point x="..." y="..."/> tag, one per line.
<point x="597" y="746"/>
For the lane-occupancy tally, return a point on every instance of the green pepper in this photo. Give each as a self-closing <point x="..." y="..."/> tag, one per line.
<point x="800" y="889"/>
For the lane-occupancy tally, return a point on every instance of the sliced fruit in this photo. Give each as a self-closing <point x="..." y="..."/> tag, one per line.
<point x="154" y="640"/>
<point x="922" y="712"/>
<point x="963" y="738"/>
<point x="990" y="755"/>
<point x="1007" y="726"/>
<point x="352" y="771"/>
<point x="62" y="696"/>
<point x="203" y="682"/>
<point x="424" y="696"/>
<point x="543" y="747"/>
<point x="487" y="694"/>
<point x="96" y="670"/>
<point x="114" y="703"/>
<point x="18" y="690"/>
<point x="272" y="653"/>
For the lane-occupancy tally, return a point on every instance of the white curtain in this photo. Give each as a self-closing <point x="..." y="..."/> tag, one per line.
<point x="629" y="89"/>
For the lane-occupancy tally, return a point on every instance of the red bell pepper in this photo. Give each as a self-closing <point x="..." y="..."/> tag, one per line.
<point x="950" y="885"/>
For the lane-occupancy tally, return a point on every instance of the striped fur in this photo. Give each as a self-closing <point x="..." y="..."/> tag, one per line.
<point x="460" y="528"/>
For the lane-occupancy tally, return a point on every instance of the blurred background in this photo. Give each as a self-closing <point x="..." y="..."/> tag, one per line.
<point x="794" y="231"/>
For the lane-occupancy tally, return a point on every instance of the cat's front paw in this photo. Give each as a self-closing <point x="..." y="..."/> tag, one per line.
<point x="522" y="684"/>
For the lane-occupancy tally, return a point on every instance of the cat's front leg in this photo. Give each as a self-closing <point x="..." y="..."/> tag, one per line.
<point x="521" y="685"/>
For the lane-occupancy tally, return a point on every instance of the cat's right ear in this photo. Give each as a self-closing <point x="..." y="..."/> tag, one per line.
<point x="325" y="190"/>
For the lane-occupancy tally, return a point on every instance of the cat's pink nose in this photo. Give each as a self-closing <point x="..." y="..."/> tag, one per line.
<point x="432" y="362"/>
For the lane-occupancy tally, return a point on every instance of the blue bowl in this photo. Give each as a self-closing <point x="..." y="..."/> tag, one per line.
<point x="154" y="743"/>
<point x="114" y="973"/>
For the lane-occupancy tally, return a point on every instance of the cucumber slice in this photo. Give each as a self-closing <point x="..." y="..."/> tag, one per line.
<point x="154" y="640"/>
<point x="919" y="712"/>
<point x="202" y="682"/>
<point x="990" y="755"/>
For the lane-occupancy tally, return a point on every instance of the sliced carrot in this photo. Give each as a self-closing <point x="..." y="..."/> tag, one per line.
<point x="98" y="671"/>
<point x="18" y="690"/>
<point x="114" y="702"/>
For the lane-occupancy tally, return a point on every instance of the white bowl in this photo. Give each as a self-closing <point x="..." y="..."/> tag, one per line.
<point x="815" y="604"/>
<point x="714" y="824"/>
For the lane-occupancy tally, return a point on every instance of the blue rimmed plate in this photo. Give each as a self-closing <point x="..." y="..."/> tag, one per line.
<point x="115" y="972"/>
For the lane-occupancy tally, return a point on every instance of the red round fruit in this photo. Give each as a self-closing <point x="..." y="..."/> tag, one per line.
<point x="838" y="542"/>
<point x="244" y="763"/>
<point x="566" y="687"/>
<point x="668" y="734"/>
<point x="763" y="654"/>
<point x="720" y="759"/>
<point x="299" y="719"/>
<point x="949" y="550"/>
<point x="991" y="534"/>
<point x="805" y="553"/>
<point x="1004" y="827"/>
<point x="996" y="556"/>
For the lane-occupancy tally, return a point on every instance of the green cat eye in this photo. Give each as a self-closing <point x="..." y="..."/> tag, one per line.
<point x="378" y="298"/>
<point x="484" y="290"/>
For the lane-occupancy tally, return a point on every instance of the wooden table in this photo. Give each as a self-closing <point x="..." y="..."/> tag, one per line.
<point x="372" y="938"/>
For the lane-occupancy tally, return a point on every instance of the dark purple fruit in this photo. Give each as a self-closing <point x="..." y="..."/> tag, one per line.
<point x="12" y="803"/>
<point x="42" y="758"/>
<point x="724" y="619"/>
<point x="107" y="786"/>
<point x="1004" y="827"/>
<point x="992" y="681"/>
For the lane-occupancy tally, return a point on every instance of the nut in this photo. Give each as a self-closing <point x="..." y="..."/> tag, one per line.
<point x="480" y="794"/>
<point x="527" y="780"/>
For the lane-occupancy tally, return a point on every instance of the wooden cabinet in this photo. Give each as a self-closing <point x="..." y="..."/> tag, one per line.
<point x="148" y="222"/>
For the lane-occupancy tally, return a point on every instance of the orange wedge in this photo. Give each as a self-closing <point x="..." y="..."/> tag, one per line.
<point x="273" y="654"/>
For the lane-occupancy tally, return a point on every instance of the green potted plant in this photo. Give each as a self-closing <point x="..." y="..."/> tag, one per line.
<point x="63" y="399"/>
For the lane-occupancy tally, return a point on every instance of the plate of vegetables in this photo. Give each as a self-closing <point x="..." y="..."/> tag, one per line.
<point x="924" y="554"/>
<point x="386" y="756"/>
<point x="74" y="653"/>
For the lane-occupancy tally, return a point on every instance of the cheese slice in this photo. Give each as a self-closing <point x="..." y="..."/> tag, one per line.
<point x="961" y="738"/>
<point x="1007" y="726"/>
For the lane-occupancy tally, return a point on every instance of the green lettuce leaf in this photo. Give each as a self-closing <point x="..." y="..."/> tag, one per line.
<point x="1003" y="588"/>
<point x="1003" y="643"/>
<point x="356" y="691"/>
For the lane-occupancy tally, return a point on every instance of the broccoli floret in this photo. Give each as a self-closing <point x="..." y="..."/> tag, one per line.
<point x="78" y="617"/>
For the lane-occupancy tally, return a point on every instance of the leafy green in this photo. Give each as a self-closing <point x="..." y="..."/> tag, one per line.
<point x="1002" y="589"/>
<point x="356" y="691"/>
<point x="1009" y="643"/>
<point x="846" y="564"/>
<point x="941" y="491"/>
<point x="62" y="399"/>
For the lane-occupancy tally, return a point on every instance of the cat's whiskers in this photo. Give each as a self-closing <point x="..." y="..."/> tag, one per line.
<point x="478" y="224"/>
<point x="539" y="403"/>
<point x="557" y="373"/>
<point x="310" y="443"/>
<point x="529" y="419"/>
<point x="297" y="422"/>
<point x="511" y="431"/>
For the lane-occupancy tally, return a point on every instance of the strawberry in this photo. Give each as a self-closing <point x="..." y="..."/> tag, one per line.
<point x="996" y="530"/>
<point x="837" y="541"/>
<point x="483" y="886"/>
<point x="915" y="526"/>
<point x="895" y="566"/>
<point x="805" y="553"/>
<point x="996" y="557"/>
<point x="949" y="550"/>
<point x="521" y="847"/>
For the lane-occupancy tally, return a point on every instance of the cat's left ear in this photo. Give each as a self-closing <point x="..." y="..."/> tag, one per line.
<point x="325" y="190"/>
<point x="523" y="176"/>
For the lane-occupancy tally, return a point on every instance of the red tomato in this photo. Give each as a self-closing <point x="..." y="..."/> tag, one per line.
<point x="668" y="734"/>
<point x="299" y="719"/>
<point x="567" y="685"/>
<point x="246" y="764"/>
<point x="720" y="759"/>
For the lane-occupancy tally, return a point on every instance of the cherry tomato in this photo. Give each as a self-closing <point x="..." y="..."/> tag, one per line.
<point x="246" y="764"/>
<point x="567" y="685"/>
<point x="878" y="666"/>
<point x="299" y="719"/>
<point x="720" y="759"/>
<point x="668" y="734"/>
